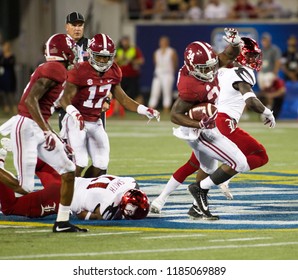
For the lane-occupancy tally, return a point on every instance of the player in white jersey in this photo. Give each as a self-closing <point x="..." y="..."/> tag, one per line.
<point x="236" y="92"/>
<point x="106" y="197"/>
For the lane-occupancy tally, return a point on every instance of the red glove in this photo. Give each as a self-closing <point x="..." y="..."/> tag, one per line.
<point x="50" y="140"/>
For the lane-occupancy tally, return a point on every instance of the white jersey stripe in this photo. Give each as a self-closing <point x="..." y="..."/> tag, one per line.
<point x="207" y="51"/>
<point x="105" y="41"/>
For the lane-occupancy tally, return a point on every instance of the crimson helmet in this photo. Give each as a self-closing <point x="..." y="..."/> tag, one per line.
<point x="101" y="45"/>
<point x="251" y="54"/>
<point x="60" y="47"/>
<point x="201" y="61"/>
<point x="134" y="205"/>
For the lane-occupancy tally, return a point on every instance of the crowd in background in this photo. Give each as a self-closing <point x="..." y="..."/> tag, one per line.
<point x="196" y="10"/>
<point x="282" y="67"/>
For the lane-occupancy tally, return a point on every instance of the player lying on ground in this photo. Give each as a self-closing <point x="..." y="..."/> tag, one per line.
<point x="106" y="197"/>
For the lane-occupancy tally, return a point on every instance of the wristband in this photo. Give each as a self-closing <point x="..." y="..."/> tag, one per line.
<point x="267" y="111"/>
<point x="107" y="100"/>
<point x="88" y="215"/>
<point x="70" y="109"/>
<point x="248" y="95"/>
<point x="142" y="110"/>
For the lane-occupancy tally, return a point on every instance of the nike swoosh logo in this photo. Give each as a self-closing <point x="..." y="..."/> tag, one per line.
<point x="204" y="206"/>
<point x="62" y="229"/>
<point x="198" y="211"/>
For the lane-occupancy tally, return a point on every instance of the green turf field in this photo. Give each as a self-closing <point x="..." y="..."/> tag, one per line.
<point x="150" y="151"/>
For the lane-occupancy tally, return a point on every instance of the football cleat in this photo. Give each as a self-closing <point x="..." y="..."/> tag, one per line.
<point x="224" y="187"/>
<point x="195" y="213"/>
<point x="66" y="226"/>
<point x="156" y="205"/>
<point x="200" y="195"/>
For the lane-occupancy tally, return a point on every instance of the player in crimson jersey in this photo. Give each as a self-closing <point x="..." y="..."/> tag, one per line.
<point x="106" y="197"/>
<point x="31" y="133"/>
<point x="89" y="89"/>
<point x="235" y="92"/>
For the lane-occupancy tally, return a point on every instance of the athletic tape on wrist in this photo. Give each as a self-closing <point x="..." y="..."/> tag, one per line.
<point x="248" y="95"/>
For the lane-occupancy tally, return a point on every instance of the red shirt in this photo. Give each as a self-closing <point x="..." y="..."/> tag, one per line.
<point x="193" y="90"/>
<point x="277" y="84"/>
<point x="54" y="71"/>
<point x="92" y="88"/>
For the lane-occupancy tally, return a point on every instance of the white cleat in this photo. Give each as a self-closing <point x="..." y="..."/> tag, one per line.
<point x="156" y="205"/>
<point x="224" y="187"/>
<point x="6" y="144"/>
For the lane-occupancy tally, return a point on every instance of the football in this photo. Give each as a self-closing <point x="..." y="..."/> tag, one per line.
<point x="198" y="111"/>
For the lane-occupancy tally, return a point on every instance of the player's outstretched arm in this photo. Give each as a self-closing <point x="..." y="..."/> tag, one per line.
<point x="131" y="105"/>
<point x="233" y="49"/>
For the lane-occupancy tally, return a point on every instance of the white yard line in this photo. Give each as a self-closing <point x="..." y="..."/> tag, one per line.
<point x="173" y="236"/>
<point x="161" y="250"/>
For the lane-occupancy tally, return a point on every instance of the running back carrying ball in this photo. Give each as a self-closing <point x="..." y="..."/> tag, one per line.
<point x="199" y="111"/>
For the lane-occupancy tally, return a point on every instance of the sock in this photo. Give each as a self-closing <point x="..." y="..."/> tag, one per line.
<point x="207" y="183"/>
<point x="63" y="213"/>
<point x="171" y="186"/>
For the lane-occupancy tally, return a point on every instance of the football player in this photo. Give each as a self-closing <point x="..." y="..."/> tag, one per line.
<point x="89" y="89"/>
<point x="31" y="133"/>
<point x="106" y="197"/>
<point x="235" y="92"/>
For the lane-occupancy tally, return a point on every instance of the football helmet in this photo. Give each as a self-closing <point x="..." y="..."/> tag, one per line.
<point x="201" y="61"/>
<point x="251" y="54"/>
<point x="101" y="51"/>
<point x="134" y="205"/>
<point x="60" y="47"/>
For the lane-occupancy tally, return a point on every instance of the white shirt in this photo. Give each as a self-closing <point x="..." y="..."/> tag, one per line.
<point x="164" y="61"/>
<point x="216" y="11"/>
<point x="106" y="190"/>
<point x="230" y="101"/>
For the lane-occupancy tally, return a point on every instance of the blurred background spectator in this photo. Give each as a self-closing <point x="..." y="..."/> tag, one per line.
<point x="194" y="11"/>
<point x="130" y="59"/>
<point x="271" y="61"/>
<point x="8" y="82"/>
<point x="243" y="9"/>
<point x="273" y="95"/>
<point x="289" y="60"/>
<point x="270" y="9"/>
<point x="216" y="9"/>
<point x="153" y="9"/>
<point x="165" y="60"/>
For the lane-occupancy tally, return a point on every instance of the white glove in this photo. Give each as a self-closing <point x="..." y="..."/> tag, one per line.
<point x="268" y="118"/>
<point x="148" y="112"/>
<point x="76" y="115"/>
<point x="232" y="36"/>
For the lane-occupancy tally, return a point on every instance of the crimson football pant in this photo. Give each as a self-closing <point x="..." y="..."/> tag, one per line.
<point x="254" y="151"/>
<point x="38" y="203"/>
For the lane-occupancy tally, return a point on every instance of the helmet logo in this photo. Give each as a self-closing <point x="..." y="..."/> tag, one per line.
<point x="130" y="209"/>
<point x="89" y="82"/>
